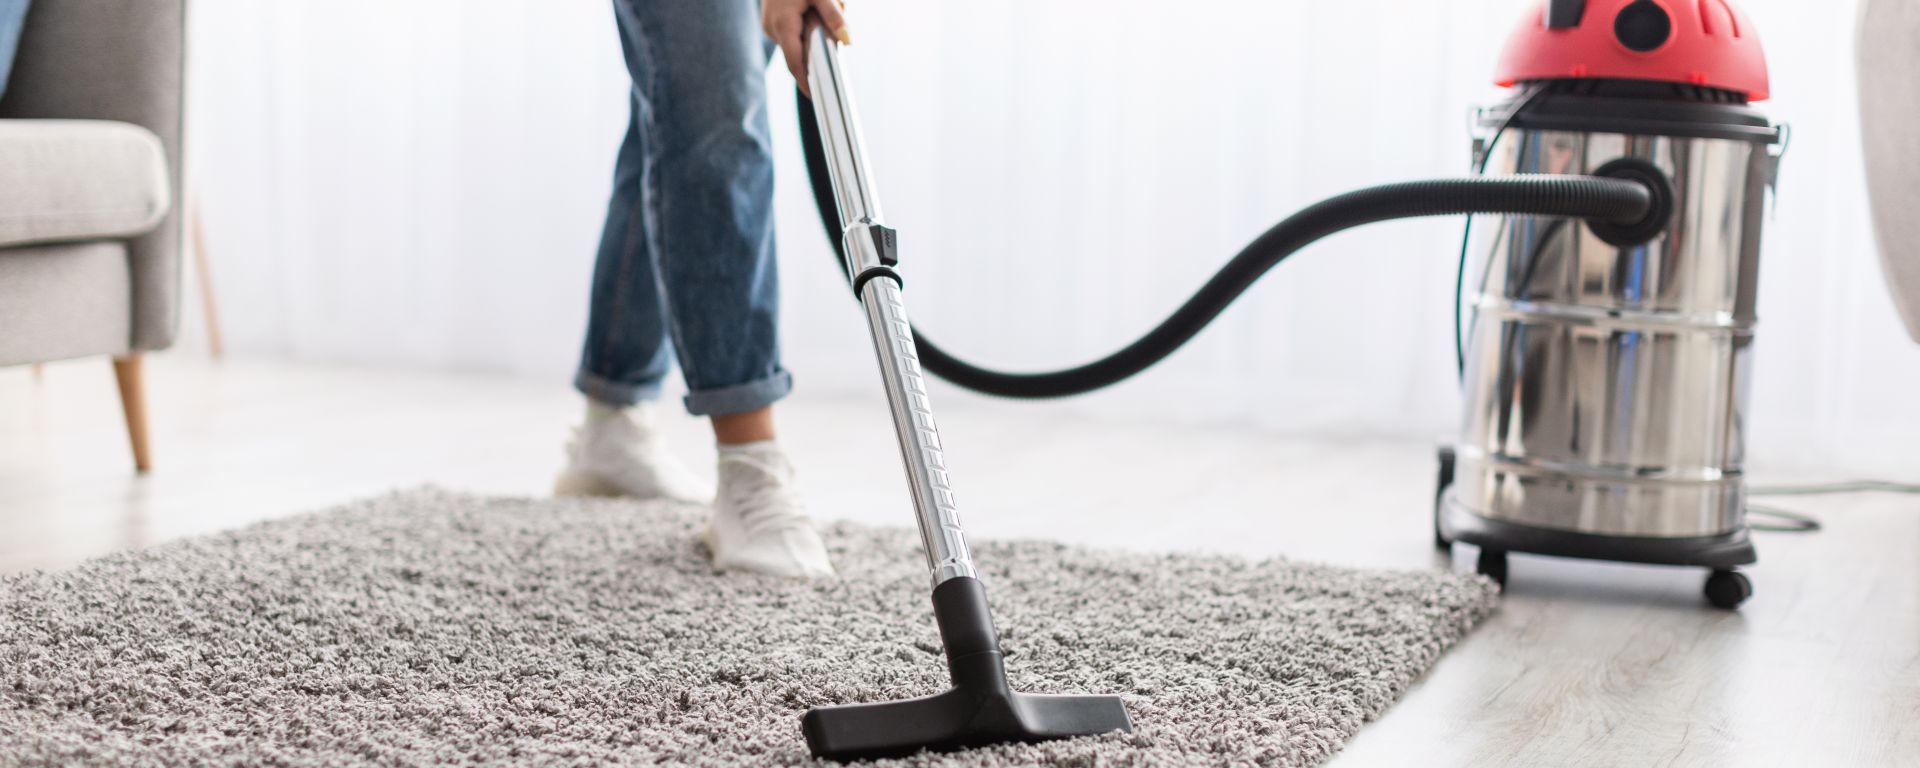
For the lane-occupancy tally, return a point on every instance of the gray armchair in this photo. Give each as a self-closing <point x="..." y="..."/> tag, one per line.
<point x="89" y="152"/>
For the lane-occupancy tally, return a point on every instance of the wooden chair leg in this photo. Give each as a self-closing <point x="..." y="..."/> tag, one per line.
<point x="203" y="269"/>
<point x="133" y="400"/>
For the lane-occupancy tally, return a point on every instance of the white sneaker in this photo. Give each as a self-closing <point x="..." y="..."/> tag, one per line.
<point x="758" y="523"/>
<point x="619" y="452"/>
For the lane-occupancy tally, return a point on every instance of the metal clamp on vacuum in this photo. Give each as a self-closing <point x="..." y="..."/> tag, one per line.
<point x="1605" y="372"/>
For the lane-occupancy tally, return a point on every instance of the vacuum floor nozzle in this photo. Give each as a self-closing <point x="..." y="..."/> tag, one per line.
<point x="980" y="709"/>
<point x="964" y="717"/>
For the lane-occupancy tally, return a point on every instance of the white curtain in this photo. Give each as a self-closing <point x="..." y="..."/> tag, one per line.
<point x="421" y="183"/>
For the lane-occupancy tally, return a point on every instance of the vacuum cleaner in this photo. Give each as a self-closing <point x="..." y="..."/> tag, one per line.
<point x="1605" y="378"/>
<point x="1605" y="371"/>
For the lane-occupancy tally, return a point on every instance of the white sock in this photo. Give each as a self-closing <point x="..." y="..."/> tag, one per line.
<point x="599" y="412"/>
<point x="758" y="451"/>
<point x="744" y="467"/>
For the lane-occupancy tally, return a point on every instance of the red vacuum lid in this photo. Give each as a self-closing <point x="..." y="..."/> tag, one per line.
<point x="1697" y="42"/>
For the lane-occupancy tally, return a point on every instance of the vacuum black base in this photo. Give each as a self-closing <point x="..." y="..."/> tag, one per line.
<point x="1725" y="550"/>
<point x="980" y="709"/>
<point x="1725" y="587"/>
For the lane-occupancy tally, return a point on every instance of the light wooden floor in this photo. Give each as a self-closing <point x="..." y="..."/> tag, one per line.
<point x="1585" y="664"/>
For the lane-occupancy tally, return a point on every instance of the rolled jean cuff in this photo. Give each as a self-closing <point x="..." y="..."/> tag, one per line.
<point x="610" y="392"/>
<point x="740" y="398"/>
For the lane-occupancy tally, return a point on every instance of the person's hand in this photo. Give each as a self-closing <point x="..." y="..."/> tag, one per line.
<point x="786" y="22"/>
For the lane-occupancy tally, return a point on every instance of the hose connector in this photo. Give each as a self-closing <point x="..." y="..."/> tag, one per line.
<point x="1631" y="232"/>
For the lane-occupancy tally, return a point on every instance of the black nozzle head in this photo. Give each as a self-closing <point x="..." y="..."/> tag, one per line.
<point x="959" y="718"/>
<point x="980" y="709"/>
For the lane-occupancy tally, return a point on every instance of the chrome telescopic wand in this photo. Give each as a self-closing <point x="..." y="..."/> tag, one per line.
<point x="981" y="708"/>
<point x="870" y="249"/>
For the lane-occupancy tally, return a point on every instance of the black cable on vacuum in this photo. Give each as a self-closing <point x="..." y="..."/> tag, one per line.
<point x="1604" y="199"/>
<point x="1485" y="153"/>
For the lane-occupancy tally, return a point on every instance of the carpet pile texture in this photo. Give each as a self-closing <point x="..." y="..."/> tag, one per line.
<point x="429" y="627"/>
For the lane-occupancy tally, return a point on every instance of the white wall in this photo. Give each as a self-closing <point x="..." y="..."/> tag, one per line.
<point x="421" y="183"/>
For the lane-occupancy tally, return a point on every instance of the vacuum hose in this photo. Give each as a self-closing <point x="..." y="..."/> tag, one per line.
<point x="1614" y="200"/>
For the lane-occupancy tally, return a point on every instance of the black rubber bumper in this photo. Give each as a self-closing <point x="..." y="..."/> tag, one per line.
<point x="1726" y="550"/>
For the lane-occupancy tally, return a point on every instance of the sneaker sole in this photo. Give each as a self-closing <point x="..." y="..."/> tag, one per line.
<point x="705" y="536"/>
<point x="575" y="483"/>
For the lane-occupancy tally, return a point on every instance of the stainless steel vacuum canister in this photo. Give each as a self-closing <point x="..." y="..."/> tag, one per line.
<point x="1606" y="371"/>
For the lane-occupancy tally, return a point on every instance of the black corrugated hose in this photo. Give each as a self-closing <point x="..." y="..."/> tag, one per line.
<point x="1586" y="197"/>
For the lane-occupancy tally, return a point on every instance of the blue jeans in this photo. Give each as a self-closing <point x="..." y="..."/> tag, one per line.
<point x="13" y="14"/>
<point x="686" y="263"/>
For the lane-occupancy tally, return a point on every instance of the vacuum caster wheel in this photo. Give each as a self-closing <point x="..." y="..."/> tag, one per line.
<point x="1493" y="565"/>
<point x="1440" y="486"/>
<point x="1728" y="589"/>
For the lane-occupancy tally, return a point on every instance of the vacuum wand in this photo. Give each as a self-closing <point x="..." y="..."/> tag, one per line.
<point x="870" y="257"/>
<point x="981" y="708"/>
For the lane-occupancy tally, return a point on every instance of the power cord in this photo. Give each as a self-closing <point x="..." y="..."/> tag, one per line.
<point x="1826" y="489"/>
<point x="1485" y="153"/>
<point x="1799" y="522"/>
<point x="1791" y="521"/>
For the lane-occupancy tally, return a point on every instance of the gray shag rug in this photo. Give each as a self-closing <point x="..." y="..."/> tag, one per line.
<point x="430" y="628"/>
